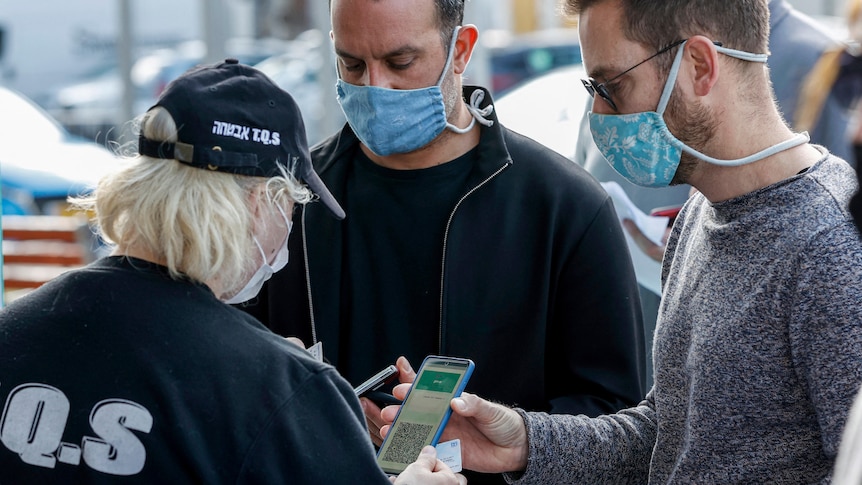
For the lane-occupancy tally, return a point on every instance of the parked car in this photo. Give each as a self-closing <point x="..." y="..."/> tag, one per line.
<point x="547" y="108"/>
<point x="298" y="71"/>
<point x="93" y="106"/>
<point x="515" y="59"/>
<point x="41" y="163"/>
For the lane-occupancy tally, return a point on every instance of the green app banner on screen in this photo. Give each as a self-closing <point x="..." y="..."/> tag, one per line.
<point x="438" y="381"/>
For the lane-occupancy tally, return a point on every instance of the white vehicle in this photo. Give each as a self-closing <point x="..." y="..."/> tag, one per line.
<point x="41" y="164"/>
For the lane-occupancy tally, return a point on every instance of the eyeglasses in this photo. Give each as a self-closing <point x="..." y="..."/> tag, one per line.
<point x="601" y="88"/>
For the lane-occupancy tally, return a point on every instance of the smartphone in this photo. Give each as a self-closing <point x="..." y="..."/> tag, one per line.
<point x="376" y="381"/>
<point x="425" y="411"/>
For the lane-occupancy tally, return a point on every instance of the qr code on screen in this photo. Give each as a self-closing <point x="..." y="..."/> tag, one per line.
<point x="407" y="442"/>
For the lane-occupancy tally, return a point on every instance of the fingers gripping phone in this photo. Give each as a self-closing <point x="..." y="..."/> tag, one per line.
<point x="425" y="412"/>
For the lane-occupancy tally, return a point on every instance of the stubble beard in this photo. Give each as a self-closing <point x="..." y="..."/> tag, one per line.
<point x="693" y="125"/>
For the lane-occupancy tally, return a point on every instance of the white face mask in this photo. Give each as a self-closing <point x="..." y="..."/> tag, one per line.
<point x="266" y="270"/>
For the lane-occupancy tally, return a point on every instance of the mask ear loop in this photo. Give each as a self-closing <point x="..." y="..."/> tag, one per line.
<point x="262" y="253"/>
<point x="288" y="223"/>
<point x="674" y="70"/>
<point x="671" y="81"/>
<point x="450" y="56"/>
<point x="478" y="114"/>
<point x="798" y="139"/>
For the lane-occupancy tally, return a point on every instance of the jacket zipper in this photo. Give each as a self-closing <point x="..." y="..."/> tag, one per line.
<point x="445" y="243"/>
<point x="308" y="281"/>
<point x="442" y="266"/>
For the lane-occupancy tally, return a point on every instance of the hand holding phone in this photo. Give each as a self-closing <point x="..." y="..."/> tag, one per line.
<point x="423" y="415"/>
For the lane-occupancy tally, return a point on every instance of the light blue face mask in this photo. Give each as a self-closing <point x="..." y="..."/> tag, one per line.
<point x="643" y="150"/>
<point x="390" y="121"/>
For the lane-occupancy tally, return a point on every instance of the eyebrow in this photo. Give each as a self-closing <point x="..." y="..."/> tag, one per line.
<point x="404" y="50"/>
<point x="602" y="73"/>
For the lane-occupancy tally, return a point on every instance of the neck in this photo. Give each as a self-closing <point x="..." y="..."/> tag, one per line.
<point x="135" y="251"/>
<point x="718" y="183"/>
<point x="745" y="128"/>
<point x="446" y="147"/>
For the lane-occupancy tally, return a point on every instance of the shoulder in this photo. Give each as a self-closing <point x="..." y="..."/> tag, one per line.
<point x="333" y="148"/>
<point x="822" y="196"/>
<point x="547" y="171"/>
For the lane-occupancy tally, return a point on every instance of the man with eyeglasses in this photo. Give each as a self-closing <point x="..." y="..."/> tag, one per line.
<point x="759" y="335"/>
<point x="796" y="43"/>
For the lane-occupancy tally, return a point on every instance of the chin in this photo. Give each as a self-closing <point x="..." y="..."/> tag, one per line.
<point x="687" y="164"/>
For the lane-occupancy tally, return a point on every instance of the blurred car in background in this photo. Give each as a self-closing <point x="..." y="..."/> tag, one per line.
<point x="517" y="58"/>
<point x="297" y="71"/>
<point x="41" y="163"/>
<point x="547" y="108"/>
<point x="93" y="107"/>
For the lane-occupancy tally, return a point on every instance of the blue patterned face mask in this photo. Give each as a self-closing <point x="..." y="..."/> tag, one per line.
<point x="643" y="150"/>
<point x="391" y="121"/>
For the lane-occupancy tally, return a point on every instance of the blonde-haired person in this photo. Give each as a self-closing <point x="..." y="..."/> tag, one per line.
<point x="194" y="222"/>
<point x="136" y="369"/>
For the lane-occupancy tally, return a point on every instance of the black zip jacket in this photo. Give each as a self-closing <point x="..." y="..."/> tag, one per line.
<point x="537" y="286"/>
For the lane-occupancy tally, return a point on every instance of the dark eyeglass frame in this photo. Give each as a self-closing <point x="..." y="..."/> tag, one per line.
<point x="601" y="89"/>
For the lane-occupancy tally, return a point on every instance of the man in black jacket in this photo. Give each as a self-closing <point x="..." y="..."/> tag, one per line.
<point x="461" y="238"/>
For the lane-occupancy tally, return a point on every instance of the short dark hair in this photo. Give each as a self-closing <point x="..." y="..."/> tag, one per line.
<point x="737" y="24"/>
<point x="450" y="14"/>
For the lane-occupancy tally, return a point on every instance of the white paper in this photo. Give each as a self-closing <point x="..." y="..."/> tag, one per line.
<point x="647" y="270"/>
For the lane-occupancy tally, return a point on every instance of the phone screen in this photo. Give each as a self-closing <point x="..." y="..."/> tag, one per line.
<point x="425" y="411"/>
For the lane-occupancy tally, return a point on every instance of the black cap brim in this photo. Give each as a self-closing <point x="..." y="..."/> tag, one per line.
<point x="310" y="177"/>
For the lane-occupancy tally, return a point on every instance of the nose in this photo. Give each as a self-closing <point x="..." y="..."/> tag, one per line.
<point x="377" y="75"/>
<point x="600" y="106"/>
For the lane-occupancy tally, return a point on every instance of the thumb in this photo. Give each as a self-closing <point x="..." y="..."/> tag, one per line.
<point x="405" y="371"/>
<point x="466" y="404"/>
<point x="427" y="457"/>
<point x="296" y="341"/>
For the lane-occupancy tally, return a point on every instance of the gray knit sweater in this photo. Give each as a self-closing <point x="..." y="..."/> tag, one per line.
<point x="758" y="349"/>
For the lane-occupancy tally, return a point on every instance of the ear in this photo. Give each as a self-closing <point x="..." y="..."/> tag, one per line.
<point x="464" y="45"/>
<point x="704" y="64"/>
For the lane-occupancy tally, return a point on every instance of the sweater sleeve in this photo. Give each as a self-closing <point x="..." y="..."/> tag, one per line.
<point x="317" y="436"/>
<point x="826" y="328"/>
<point x="611" y="449"/>
<point x="596" y="339"/>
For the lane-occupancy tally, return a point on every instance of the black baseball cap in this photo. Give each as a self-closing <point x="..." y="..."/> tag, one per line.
<point x="232" y="118"/>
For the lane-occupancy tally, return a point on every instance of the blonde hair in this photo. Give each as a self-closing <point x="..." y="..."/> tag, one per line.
<point x="199" y="223"/>
<point x="818" y="83"/>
